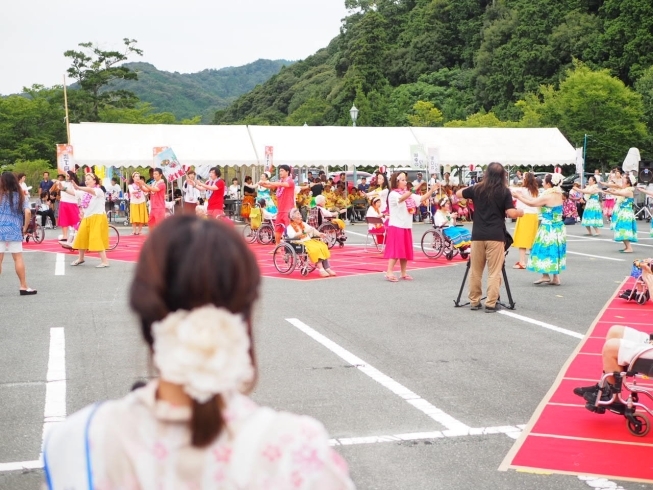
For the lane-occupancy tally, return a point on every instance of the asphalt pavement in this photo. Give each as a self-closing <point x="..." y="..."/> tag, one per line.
<point x="370" y="359"/>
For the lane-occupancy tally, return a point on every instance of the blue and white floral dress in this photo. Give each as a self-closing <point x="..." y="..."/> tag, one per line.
<point x="549" y="252"/>
<point x="593" y="214"/>
<point x="624" y="224"/>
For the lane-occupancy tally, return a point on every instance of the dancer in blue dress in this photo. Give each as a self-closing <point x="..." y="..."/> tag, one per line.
<point x="264" y="193"/>
<point x="593" y="214"/>
<point x="549" y="253"/>
<point x="623" y="222"/>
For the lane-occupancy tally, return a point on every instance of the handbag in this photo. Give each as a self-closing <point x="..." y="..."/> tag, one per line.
<point x="507" y="241"/>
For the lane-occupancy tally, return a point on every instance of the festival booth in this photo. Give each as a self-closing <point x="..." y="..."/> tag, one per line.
<point x="324" y="146"/>
<point x="512" y="147"/>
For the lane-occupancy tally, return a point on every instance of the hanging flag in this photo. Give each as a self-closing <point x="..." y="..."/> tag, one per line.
<point x="166" y="159"/>
<point x="65" y="158"/>
<point x="417" y="157"/>
<point x="269" y="161"/>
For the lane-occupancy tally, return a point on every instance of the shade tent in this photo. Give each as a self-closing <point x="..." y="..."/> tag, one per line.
<point x="326" y="146"/>
<point x="131" y="145"/>
<point x="509" y="146"/>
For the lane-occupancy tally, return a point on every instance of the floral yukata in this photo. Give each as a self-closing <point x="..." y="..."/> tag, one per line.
<point x="139" y="442"/>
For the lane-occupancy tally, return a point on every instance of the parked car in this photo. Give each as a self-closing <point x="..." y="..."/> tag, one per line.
<point x="349" y="175"/>
<point x="570" y="180"/>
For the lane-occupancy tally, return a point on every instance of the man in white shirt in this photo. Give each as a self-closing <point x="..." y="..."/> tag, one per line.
<point x="597" y="175"/>
<point x="418" y="182"/>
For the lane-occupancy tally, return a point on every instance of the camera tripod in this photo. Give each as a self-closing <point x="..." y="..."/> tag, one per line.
<point x="644" y="211"/>
<point x="511" y="303"/>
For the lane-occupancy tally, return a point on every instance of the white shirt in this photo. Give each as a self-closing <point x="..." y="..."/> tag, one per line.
<point x="23" y="186"/>
<point x="527" y="209"/>
<point x="114" y="190"/>
<point x="65" y="197"/>
<point x="399" y="215"/>
<point x="136" y="194"/>
<point x="417" y="183"/>
<point x="371" y="213"/>
<point x="234" y="190"/>
<point x="95" y="206"/>
<point x="191" y="193"/>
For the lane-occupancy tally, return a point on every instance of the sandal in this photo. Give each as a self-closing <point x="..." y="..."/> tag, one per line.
<point x="331" y="272"/>
<point x="542" y="281"/>
<point x="407" y="278"/>
<point x="323" y="273"/>
<point x="102" y="266"/>
<point x="556" y="283"/>
<point x="519" y="265"/>
<point x="27" y="292"/>
<point x="391" y="278"/>
<point x="77" y="262"/>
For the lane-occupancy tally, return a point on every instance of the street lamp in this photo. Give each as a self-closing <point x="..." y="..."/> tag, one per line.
<point x="353" y="112"/>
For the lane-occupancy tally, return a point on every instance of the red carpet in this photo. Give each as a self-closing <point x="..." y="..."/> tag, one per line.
<point x="564" y="437"/>
<point x="347" y="261"/>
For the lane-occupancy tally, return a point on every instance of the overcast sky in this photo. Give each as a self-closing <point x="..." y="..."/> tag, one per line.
<point x="175" y="35"/>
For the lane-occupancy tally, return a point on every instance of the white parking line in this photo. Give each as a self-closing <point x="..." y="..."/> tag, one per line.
<point x="60" y="265"/>
<point x="415" y="400"/>
<point x="542" y="324"/>
<point x="596" y="256"/>
<point x="55" y="396"/>
<point x="55" y="388"/>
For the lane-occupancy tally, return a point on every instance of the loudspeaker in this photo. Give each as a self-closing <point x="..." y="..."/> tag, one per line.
<point x="645" y="171"/>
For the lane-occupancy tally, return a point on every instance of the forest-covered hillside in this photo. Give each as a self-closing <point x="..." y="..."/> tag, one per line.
<point x="187" y="95"/>
<point x="457" y="62"/>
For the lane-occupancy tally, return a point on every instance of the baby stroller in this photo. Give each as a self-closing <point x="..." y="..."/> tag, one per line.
<point x="640" y="291"/>
<point x="334" y="234"/>
<point x="447" y="240"/>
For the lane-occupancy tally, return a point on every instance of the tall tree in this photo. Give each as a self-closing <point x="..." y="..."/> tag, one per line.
<point x="593" y="103"/>
<point x="94" y="69"/>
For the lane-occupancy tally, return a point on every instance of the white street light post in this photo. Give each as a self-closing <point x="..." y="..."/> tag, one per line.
<point x="353" y="112"/>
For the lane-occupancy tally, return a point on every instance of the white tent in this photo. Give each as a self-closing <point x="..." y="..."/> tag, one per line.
<point x="509" y="146"/>
<point x="126" y="145"/>
<point x="131" y="145"/>
<point x="322" y="146"/>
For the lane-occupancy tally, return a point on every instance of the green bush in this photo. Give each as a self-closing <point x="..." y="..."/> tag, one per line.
<point x="33" y="170"/>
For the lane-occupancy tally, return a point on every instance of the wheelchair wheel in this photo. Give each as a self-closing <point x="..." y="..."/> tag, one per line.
<point x="432" y="244"/>
<point x="265" y="234"/>
<point x="284" y="258"/>
<point x="249" y="234"/>
<point x="449" y="255"/>
<point x="640" y="425"/>
<point x="331" y="232"/>
<point x="464" y="255"/>
<point x="39" y="234"/>
<point x="114" y="237"/>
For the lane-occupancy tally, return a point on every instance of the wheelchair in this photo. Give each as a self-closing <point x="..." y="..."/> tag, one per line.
<point x="35" y="232"/>
<point x="625" y="400"/>
<point x="264" y="234"/>
<point x="334" y="234"/>
<point x="435" y="243"/>
<point x="290" y="255"/>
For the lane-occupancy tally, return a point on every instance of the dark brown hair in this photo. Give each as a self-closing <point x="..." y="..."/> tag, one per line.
<point x="531" y="184"/>
<point x="393" y="179"/>
<point x="8" y="185"/>
<point x="493" y="186"/>
<point x="178" y="270"/>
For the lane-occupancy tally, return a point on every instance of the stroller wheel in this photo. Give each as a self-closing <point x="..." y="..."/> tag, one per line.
<point x="638" y="425"/>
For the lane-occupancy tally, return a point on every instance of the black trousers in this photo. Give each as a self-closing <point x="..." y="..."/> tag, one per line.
<point x="45" y="214"/>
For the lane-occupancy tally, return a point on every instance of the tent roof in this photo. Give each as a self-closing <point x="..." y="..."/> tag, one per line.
<point x="509" y="146"/>
<point x="316" y="146"/>
<point x="131" y="145"/>
<point x="125" y="145"/>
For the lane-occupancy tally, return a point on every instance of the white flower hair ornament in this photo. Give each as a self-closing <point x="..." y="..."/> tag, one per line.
<point x="556" y="179"/>
<point x="205" y="350"/>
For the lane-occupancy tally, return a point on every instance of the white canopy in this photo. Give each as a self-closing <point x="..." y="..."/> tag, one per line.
<point x="131" y="145"/>
<point x="509" y="146"/>
<point x="125" y="145"/>
<point x="317" y="146"/>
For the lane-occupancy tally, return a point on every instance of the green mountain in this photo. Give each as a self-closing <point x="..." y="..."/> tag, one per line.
<point x="190" y="94"/>
<point x="464" y="57"/>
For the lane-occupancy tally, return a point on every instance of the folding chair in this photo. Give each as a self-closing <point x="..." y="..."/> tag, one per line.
<point x="376" y="234"/>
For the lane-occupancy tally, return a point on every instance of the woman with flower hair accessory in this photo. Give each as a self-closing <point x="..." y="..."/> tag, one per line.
<point x="93" y="233"/>
<point x="194" y="426"/>
<point x="549" y="253"/>
<point x="623" y="222"/>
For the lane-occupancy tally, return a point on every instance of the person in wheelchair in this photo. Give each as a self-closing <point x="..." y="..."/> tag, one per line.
<point x="317" y="250"/>
<point x="622" y="344"/>
<point x="323" y="212"/>
<point x="445" y="219"/>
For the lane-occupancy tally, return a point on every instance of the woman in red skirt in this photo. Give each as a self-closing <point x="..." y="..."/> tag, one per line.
<point x="402" y="205"/>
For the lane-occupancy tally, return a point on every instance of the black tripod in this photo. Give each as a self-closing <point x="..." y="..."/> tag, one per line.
<point x="511" y="303"/>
